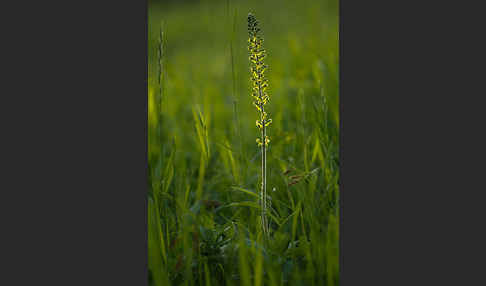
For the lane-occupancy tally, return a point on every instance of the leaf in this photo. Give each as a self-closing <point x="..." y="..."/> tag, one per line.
<point x="168" y="172"/>
<point x="246" y="191"/>
<point x="241" y="204"/>
<point x="157" y="255"/>
<point x="287" y="218"/>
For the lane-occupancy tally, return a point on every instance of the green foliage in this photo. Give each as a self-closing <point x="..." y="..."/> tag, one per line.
<point x="204" y="225"/>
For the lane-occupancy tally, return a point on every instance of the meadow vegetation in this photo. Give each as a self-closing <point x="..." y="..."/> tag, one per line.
<point x="204" y="209"/>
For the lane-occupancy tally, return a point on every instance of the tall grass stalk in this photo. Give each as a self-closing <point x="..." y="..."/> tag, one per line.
<point x="160" y="69"/>
<point x="237" y="131"/>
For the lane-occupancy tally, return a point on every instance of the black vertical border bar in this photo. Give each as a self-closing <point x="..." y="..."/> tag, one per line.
<point x="79" y="144"/>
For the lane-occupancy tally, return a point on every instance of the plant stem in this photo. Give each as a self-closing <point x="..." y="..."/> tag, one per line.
<point x="264" y="168"/>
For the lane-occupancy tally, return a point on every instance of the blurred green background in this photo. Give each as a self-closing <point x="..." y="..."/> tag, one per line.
<point x="204" y="173"/>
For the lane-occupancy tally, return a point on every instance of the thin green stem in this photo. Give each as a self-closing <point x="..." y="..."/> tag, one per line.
<point x="264" y="167"/>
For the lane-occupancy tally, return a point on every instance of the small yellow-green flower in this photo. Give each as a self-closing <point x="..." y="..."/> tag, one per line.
<point x="257" y="74"/>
